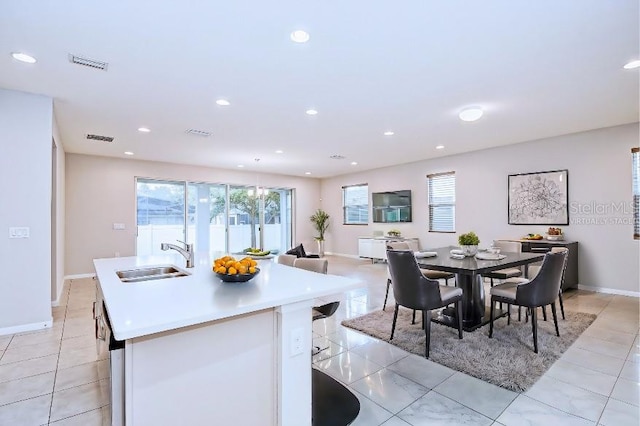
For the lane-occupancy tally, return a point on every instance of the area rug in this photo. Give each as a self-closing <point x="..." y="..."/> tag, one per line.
<point x="506" y="360"/>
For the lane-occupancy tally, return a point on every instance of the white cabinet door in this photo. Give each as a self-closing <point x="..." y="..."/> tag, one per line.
<point x="379" y="249"/>
<point x="364" y="247"/>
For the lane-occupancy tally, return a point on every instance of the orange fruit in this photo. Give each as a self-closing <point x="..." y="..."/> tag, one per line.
<point x="242" y="269"/>
<point x="253" y="262"/>
<point x="222" y="270"/>
<point x="252" y="269"/>
<point x="232" y="271"/>
<point x="229" y="263"/>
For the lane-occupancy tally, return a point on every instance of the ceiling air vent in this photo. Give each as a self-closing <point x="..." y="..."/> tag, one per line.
<point x="337" y="157"/>
<point x="202" y="133"/>
<point x="91" y="63"/>
<point x="100" y="138"/>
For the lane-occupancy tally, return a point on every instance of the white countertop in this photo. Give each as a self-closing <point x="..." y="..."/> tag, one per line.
<point x="143" y="308"/>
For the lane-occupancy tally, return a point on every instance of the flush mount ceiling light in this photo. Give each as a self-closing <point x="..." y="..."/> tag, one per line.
<point x="440" y="147"/>
<point x="312" y="112"/>
<point x="300" y="36"/>
<point x="223" y="102"/>
<point x="144" y="129"/>
<point x="337" y="157"/>
<point x="23" y="57"/>
<point x="633" y="64"/>
<point x="279" y="151"/>
<point x="128" y="153"/>
<point x="240" y="165"/>
<point x="471" y="114"/>
<point x="389" y="133"/>
<point x="354" y="163"/>
<point x="307" y="173"/>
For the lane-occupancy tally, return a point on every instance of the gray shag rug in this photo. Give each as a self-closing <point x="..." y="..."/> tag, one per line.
<point x="506" y="360"/>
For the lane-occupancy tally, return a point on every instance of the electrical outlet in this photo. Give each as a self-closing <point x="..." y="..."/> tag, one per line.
<point x="19" y="232"/>
<point x="297" y="341"/>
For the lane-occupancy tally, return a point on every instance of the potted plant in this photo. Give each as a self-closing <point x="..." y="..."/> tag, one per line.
<point x="469" y="243"/>
<point x="320" y="220"/>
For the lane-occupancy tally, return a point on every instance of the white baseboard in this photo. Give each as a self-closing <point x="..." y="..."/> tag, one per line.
<point x="352" y="256"/>
<point x="79" y="276"/>
<point x="26" y="327"/>
<point x="609" y="290"/>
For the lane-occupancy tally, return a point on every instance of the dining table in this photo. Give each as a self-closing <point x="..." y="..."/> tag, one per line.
<point x="469" y="277"/>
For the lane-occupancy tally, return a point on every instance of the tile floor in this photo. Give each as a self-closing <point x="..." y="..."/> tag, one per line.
<point x="54" y="377"/>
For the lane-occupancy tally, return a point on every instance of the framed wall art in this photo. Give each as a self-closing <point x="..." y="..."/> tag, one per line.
<point x="540" y="198"/>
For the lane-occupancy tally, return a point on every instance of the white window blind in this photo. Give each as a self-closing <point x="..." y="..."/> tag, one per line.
<point x="355" y="202"/>
<point x="442" y="202"/>
<point x="635" y="153"/>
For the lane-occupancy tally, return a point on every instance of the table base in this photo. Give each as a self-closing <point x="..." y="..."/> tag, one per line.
<point x="449" y="318"/>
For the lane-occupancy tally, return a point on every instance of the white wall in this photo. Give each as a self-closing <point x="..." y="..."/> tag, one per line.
<point x="101" y="191"/>
<point x="25" y="185"/>
<point x="599" y="164"/>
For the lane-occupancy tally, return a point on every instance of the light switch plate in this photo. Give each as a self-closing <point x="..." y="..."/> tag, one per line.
<point x="19" y="232"/>
<point x="118" y="226"/>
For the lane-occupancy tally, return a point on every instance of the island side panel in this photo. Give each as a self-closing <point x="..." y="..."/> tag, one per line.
<point x="294" y="363"/>
<point x="221" y="372"/>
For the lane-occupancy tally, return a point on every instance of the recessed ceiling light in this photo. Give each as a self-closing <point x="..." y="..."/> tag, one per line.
<point x="471" y="114"/>
<point x="23" y="57"/>
<point x="633" y="64"/>
<point x="279" y="151"/>
<point x="128" y="153"/>
<point x="307" y="173"/>
<point x="223" y="102"/>
<point x="440" y="147"/>
<point x="312" y="112"/>
<point x="241" y="165"/>
<point x="354" y="163"/>
<point x="389" y="133"/>
<point x="144" y="129"/>
<point x="300" y="36"/>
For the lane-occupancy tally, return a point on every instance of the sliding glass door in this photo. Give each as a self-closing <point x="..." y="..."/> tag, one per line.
<point x="160" y="214"/>
<point x="214" y="217"/>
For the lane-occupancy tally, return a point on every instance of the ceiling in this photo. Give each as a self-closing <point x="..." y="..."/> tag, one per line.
<point x="538" y="68"/>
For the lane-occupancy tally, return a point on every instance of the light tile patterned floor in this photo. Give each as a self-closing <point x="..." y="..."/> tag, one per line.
<point x="54" y="377"/>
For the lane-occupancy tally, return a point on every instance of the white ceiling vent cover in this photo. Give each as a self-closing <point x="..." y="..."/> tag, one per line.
<point x="337" y="157"/>
<point x="99" y="138"/>
<point x="202" y="133"/>
<point x="91" y="63"/>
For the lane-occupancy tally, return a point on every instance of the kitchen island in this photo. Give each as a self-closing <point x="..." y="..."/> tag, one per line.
<point x="200" y="351"/>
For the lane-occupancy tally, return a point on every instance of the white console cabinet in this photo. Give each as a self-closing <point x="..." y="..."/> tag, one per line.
<point x="376" y="248"/>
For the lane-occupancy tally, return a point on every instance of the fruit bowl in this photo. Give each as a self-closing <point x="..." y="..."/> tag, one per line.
<point x="237" y="278"/>
<point x="555" y="237"/>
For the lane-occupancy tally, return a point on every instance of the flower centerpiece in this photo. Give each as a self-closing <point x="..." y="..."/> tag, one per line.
<point x="394" y="233"/>
<point x="469" y="243"/>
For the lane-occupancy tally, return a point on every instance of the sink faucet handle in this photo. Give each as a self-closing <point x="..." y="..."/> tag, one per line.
<point x="189" y="247"/>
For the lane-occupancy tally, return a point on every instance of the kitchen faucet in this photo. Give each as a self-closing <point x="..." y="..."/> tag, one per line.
<point x="187" y="252"/>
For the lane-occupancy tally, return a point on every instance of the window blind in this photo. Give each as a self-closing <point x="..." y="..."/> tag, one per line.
<point x="355" y="204"/>
<point x="635" y="154"/>
<point x="442" y="202"/>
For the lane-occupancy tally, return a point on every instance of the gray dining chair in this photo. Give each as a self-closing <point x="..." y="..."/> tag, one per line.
<point x="535" y="269"/>
<point x="415" y="291"/>
<point x="540" y="291"/>
<point x="434" y="275"/>
<point x="503" y="274"/>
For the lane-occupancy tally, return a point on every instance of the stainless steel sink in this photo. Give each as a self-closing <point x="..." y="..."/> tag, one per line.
<point x="149" y="274"/>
